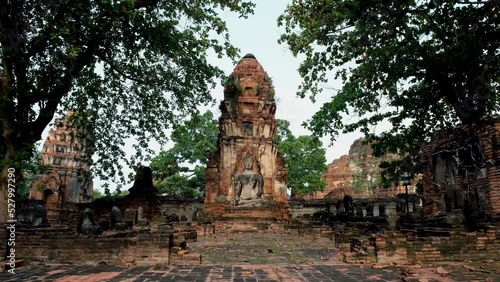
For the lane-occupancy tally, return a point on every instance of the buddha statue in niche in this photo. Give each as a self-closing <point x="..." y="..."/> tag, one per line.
<point x="247" y="184"/>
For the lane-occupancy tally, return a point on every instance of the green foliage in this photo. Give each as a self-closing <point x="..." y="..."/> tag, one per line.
<point x="196" y="138"/>
<point x="193" y="141"/>
<point x="119" y="193"/>
<point x="165" y="164"/>
<point x="128" y="69"/>
<point x="183" y="186"/>
<point x="96" y="194"/>
<point x="233" y="85"/>
<point x="305" y="159"/>
<point x="259" y="89"/>
<point x="284" y="131"/>
<point x="419" y="66"/>
<point x="359" y="181"/>
<point x="234" y="107"/>
<point x="32" y="168"/>
<point x="365" y="180"/>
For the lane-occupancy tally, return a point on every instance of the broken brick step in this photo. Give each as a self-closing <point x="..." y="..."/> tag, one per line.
<point x="191" y="258"/>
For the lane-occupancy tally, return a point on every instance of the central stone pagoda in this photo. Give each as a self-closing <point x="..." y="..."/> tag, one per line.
<point x="246" y="177"/>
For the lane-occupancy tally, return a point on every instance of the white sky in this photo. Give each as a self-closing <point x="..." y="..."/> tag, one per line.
<point x="259" y="35"/>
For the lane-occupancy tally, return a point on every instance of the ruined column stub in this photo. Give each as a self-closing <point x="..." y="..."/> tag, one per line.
<point x="246" y="170"/>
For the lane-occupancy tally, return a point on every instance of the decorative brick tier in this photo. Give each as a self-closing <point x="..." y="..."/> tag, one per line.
<point x="251" y="214"/>
<point x="250" y="219"/>
<point x="254" y="226"/>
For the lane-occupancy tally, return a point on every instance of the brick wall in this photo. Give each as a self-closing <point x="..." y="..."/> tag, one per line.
<point x="70" y="214"/>
<point x="452" y="246"/>
<point x="63" y="245"/>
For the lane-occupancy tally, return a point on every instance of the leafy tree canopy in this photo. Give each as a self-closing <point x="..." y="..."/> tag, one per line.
<point x="420" y="66"/>
<point x="305" y="159"/>
<point x="193" y="141"/>
<point x="126" y="68"/>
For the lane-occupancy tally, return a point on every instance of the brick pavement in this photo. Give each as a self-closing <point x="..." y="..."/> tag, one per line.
<point x="258" y="258"/>
<point x="238" y="273"/>
<point x="246" y="273"/>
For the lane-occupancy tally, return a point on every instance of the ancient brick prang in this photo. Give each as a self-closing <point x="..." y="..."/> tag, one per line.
<point x="63" y="153"/>
<point x="246" y="170"/>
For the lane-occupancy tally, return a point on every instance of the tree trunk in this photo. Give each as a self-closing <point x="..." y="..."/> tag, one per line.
<point x="4" y="185"/>
<point x="5" y="180"/>
<point x="3" y="199"/>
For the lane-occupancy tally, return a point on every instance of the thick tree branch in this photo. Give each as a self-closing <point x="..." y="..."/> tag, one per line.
<point x="35" y="128"/>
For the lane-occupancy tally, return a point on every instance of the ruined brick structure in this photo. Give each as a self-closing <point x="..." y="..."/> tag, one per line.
<point x="147" y="242"/>
<point x="358" y="174"/>
<point x="429" y="246"/>
<point x="246" y="177"/>
<point x="63" y="154"/>
<point x="462" y="167"/>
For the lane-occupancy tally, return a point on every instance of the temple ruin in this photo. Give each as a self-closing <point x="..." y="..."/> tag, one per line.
<point x="246" y="177"/>
<point x="63" y="153"/>
<point x="462" y="172"/>
<point x="455" y="219"/>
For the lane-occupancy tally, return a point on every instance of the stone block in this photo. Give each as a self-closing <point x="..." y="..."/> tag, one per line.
<point x="183" y="252"/>
<point x="192" y="257"/>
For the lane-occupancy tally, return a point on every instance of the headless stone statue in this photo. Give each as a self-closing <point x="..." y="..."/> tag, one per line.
<point x="369" y="210"/>
<point x="141" y="220"/>
<point x="117" y="219"/>
<point x="130" y="215"/>
<point x="339" y="206"/>
<point x="381" y="210"/>
<point x="348" y="205"/>
<point x="247" y="184"/>
<point x="400" y="205"/>
<point x="32" y="214"/>
<point x="172" y="218"/>
<point x="359" y="210"/>
<point x="40" y="216"/>
<point x="452" y="213"/>
<point x="203" y="216"/>
<point x="88" y="225"/>
<point x="454" y="197"/>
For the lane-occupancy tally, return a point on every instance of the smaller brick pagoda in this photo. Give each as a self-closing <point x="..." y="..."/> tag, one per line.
<point x="63" y="154"/>
<point x="247" y="177"/>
